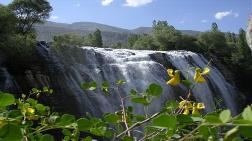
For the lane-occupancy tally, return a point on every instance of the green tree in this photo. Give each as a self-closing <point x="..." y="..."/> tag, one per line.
<point x="215" y="27"/>
<point x="7" y="22"/>
<point x="187" y="42"/>
<point x="68" y="40"/>
<point x="214" y="41"/>
<point x="165" y="35"/>
<point x="242" y="53"/>
<point x="242" y="43"/>
<point x="132" y="40"/>
<point x="145" y="42"/>
<point x="30" y="12"/>
<point x="18" y="49"/>
<point x="230" y="37"/>
<point x="97" y="41"/>
<point x="117" y="45"/>
<point x="89" y="39"/>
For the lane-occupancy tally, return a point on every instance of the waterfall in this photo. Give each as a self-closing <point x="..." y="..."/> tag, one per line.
<point x="66" y="68"/>
<point x="138" y="68"/>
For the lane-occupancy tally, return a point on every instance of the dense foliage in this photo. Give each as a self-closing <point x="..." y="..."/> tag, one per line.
<point x="17" y="36"/>
<point x="94" y="39"/>
<point x="30" y="12"/>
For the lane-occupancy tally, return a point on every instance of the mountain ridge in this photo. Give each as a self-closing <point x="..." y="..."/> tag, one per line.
<point x="111" y="34"/>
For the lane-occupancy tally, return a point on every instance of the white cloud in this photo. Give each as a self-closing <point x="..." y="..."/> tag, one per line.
<point x="221" y="15"/>
<point x="204" y="21"/>
<point x="53" y="17"/>
<point x="236" y="15"/>
<point x="137" y="3"/>
<point x="77" y="5"/>
<point x="182" y="22"/>
<point x="106" y="2"/>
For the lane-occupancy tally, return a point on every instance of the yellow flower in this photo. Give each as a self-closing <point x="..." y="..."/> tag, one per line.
<point x="198" y="77"/>
<point x="186" y="112"/>
<point x="195" y="110"/>
<point x="206" y="71"/>
<point x="185" y="104"/>
<point x="30" y="111"/>
<point x="200" y="106"/>
<point x="175" y="77"/>
<point x="197" y="107"/>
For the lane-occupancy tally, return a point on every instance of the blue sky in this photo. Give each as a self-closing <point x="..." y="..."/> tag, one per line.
<point x="230" y="15"/>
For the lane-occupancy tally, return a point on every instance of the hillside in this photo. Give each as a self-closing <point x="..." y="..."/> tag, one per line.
<point x="110" y="34"/>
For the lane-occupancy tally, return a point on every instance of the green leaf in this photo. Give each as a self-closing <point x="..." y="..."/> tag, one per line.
<point x="225" y="116"/>
<point x="171" y="105"/>
<point x="237" y="139"/>
<point x="154" y="90"/>
<point x="87" y="139"/>
<point x="98" y="131"/>
<point x="50" y="91"/>
<point x="204" y="131"/>
<point x="6" y="99"/>
<point x="133" y="92"/>
<point x="45" y="89"/>
<point x="111" y="118"/>
<point x="105" y="84"/>
<point x="14" y="114"/>
<point x="242" y="121"/>
<point x="127" y="138"/>
<point x="35" y="90"/>
<point x="66" y="132"/>
<point x="105" y="87"/>
<point x="129" y="109"/>
<point x="212" y="119"/>
<point x="176" y="136"/>
<point x="187" y="83"/>
<point x="67" y="138"/>
<point x="231" y="134"/>
<point x="246" y="131"/>
<point x="84" y="124"/>
<point x="109" y="133"/>
<point x="89" y="86"/>
<point x="196" y="119"/>
<point x="32" y="101"/>
<point x="40" y="108"/>
<point x="247" y="113"/>
<point x="47" y="137"/>
<point x="95" y="121"/>
<point x="139" y="117"/>
<point x="140" y="100"/>
<point x="165" y="121"/>
<point x="184" y="118"/>
<point x="120" y="82"/>
<point x="10" y="132"/>
<point x="66" y="119"/>
<point x="53" y="118"/>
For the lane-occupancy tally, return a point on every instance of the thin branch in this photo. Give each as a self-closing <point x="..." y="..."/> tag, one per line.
<point x="139" y="124"/>
<point x="189" y="134"/>
<point x="153" y="134"/>
<point x="124" y="114"/>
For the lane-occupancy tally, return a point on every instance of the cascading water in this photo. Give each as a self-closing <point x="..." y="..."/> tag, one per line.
<point x="67" y="67"/>
<point x="139" y="69"/>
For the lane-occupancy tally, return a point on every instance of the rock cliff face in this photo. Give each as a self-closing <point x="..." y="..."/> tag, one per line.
<point x="65" y="69"/>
